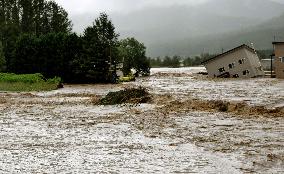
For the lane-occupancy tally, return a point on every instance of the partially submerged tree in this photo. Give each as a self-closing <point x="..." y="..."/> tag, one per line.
<point x="133" y="55"/>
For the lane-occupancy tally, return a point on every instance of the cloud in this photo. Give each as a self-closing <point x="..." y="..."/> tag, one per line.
<point x="123" y="6"/>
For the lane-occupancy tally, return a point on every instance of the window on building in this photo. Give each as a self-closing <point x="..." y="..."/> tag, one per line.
<point x="222" y="70"/>
<point x="259" y="68"/>
<point x="236" y="76"/>
<point x="242" y="61"/>
<point x="282" y="59"/>
<point x="246" y="72"/>
<point x="232" y="65"/>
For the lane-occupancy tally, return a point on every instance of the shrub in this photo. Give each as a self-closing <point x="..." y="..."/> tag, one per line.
<point x="27" y="82"/>
<point x="24" y="78"/>
<point x="131" y="95"/>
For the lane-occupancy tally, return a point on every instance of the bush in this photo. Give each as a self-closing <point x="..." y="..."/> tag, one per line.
<point x="24" y="78"/>
<point x="131" y="95"/>
<point x="55" y="80"/>
<point x="27" y="82"/>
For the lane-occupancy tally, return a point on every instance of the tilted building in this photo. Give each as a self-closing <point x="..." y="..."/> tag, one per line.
<point x="240" y="62"/>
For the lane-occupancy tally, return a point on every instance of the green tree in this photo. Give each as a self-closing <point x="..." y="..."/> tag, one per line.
<point x="264" y="54"/>
<point x="175" y="62"/>
<point x="156" y="62"/>
<point x="39" y="9"/>
<point x="27" y="16"/>
<point x="52" y="55"/>
<point x="188" y="61"/>
<point x="133" y="55"/>
<point x="167" y="61"/>
<point x="2" y="59"/>
<point x="100" y="43"/>
<point x="59" y="21"/>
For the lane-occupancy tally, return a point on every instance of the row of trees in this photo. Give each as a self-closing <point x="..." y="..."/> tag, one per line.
<point x="177" y="61"/>
<point x="2" y="58"/>
<point x="33" y="16"/>
<point x="133" y="55"/>
<point x="37" y="38"/>
<point x="173" y="62"/>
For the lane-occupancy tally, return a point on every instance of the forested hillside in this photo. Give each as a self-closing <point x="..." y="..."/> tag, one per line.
<point x="211" y="26"/>
<point x="261" y="36"/>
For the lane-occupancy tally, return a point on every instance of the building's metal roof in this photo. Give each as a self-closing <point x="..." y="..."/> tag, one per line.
<point x="228" y="52"/>
<point x="276" y="43"/>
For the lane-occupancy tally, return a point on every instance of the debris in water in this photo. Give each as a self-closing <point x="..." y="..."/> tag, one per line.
<point x="128" y="95"/>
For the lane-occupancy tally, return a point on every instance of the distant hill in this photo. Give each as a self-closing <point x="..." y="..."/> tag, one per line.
<point x="257" y="9"/>
<point x="188" y="30"/>
<point x="261" y="36"/>
<point x="207" y="27"/>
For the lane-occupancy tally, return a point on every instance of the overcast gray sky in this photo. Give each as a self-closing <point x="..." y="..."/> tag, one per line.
<point x="83" y="12"/>
<point x="95" y="6"/>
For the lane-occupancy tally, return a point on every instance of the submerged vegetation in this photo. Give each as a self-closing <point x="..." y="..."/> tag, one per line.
<point x="130" y="95"/>
<point x="27" y="82"/>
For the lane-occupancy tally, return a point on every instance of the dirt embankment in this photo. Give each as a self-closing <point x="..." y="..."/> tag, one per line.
<point x="168" y="104"/>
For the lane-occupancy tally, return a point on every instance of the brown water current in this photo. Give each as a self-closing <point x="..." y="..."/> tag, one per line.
<point x="183" y="130"/>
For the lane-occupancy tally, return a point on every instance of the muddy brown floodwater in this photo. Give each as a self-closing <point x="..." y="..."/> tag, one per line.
<point x="63" y="132"/>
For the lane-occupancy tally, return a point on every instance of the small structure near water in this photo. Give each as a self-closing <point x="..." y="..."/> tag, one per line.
<point x="279" y="59"/>
<point x="240" y="62"/>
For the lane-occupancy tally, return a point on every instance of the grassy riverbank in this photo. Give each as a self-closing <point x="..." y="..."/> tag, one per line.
<point x="27" y="82"/>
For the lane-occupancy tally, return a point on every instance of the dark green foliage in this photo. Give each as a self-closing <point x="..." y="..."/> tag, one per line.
<point x="176" y="61"/>
<point x="52" y="55"/>
<point x="156" y="62"/>
<point x="2" y="59"/>
<point x="27" y="15"/>
<point x="58" y="18"/>
<point x="98" y="60"/>
<point x="32" y="17"/>
<point x="27" y="82"/>
<point x="36" y="39"/>
<point x="25" y="78"/>
<point x="171" y="62"/>
<point x="264" y="54"/>
<point x="132" y="95"/>
<point x="188" y="62"/>
<point x="133" y="55"/>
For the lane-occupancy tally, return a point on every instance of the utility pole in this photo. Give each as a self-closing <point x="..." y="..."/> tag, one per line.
<point x="271" y="67"/>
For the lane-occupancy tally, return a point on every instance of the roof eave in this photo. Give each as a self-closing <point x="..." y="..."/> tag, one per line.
<point x="276" y="43"/>
<point x="227" y="52"/>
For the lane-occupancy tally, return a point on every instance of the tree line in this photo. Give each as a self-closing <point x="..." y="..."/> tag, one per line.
<point x="36" y="37"/>
<point x="178" y="61"/>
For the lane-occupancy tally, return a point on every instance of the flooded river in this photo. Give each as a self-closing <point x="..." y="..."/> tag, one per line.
<point x="63" y="132"/>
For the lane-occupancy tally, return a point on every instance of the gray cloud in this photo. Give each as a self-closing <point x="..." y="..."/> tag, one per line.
<point x="169" y="27"/>
<point x="96" y="6"/>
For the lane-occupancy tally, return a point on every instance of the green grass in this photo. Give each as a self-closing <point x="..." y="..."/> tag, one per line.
<point x="27" y="82"/>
